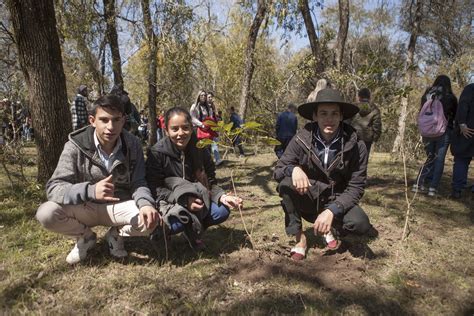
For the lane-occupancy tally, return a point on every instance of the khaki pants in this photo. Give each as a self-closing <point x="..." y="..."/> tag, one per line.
<point x="76" y="220"/>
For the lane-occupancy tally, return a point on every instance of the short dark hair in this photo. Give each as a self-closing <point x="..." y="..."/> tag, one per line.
<point x="210" y="93"/>
<point x="232" y="109"/>
<point x="110" y="101"/>
<point x="364" y="93"/>
<point x="291" y="106"/>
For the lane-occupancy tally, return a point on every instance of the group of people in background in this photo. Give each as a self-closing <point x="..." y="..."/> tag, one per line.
<point x="15" y="121"/>
<point x="458" y="135"/>
<point x="102" y="177"/>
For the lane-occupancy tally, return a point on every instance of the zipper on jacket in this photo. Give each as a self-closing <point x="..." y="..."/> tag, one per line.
<point x="182" y="158"/>
<point x="310" y="150"/>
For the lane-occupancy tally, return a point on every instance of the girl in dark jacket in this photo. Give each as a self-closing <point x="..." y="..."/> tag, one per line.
<point x="432" y="170"/>
<point x="176" y="156"/>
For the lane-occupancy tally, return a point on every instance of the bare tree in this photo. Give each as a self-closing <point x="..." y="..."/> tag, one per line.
<point x="343" y="30"/>
<point x="410" y="65"/>
<point x="109" y="15"/>
<point x="152" y="70"/>
<point x="249" y="54"/>
<point x="36" y="37"/>
<point x="303" y="6"/>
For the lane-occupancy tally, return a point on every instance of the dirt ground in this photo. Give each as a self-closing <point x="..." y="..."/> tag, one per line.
<point x="431" y="272"/>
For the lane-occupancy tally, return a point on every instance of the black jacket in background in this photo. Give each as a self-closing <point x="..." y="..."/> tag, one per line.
<point x="460" y="145"/>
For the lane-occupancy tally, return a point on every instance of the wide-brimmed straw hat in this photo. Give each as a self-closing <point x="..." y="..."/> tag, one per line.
<point x="331" y="96"/>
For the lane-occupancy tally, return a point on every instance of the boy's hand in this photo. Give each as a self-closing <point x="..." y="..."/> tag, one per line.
<point x="323" y="223"/>
<point x="300" y="180"/>
<point x="149" y="216"/>
<point x="104" y="190"/>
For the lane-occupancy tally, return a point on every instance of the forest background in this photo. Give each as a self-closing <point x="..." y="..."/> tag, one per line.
<point x="257" y="56"/>
<point x="253" y="55"/>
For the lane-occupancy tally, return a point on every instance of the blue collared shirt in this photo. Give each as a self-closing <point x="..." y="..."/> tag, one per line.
<point x="108" y="160"/>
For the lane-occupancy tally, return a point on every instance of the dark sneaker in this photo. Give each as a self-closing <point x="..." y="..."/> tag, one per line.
<point x="456" y="195"/>
<point x="194" y="240"/>
<point x="115" y="243"/>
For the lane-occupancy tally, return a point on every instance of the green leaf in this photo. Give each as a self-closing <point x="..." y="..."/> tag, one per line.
<point x="228" y="127"/>
<point x="204" y="143"/>
<point x="271" y="141"/>
<point x="210" y="123"/>
<point x="251" y="125"/>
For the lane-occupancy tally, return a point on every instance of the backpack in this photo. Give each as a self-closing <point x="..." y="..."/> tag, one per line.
<point x="431" y="120"/>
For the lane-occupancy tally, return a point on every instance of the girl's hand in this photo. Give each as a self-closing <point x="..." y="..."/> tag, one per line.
<point x="195" y="204"/>
<point x="231" y="201"/>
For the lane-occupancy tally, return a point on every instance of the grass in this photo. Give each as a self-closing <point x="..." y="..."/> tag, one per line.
<point x="429" y="273"/>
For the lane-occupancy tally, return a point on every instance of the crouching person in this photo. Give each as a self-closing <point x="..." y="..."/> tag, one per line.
<point x="322" y="173"/>
<point x="183" y="178"/>
<point x="100" y="180"/>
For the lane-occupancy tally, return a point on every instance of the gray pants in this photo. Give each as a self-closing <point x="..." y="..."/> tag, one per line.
<point x="76" y="220"/>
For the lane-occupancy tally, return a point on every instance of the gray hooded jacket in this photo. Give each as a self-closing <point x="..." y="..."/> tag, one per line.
<point x="80" y="168"/>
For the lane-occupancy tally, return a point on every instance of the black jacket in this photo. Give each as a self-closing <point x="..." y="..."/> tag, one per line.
<point x="165" y="160"/>
<point x="460" y="145"/>
<point x="342" y="184"/>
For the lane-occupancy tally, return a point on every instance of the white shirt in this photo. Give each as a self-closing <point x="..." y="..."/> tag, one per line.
<point x="108" y="160"/>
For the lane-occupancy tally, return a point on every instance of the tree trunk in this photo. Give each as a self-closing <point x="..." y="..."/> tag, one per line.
<point x="249" y="53"/>
<point x="112" y="38"/>
<point x="343" y="30"/>
<point x="152" y="64"/>
<point x="39" y="54"/>
<point x="91" y="62"/>
<point x="415" y="30"/>
<point x="303" y="6"/>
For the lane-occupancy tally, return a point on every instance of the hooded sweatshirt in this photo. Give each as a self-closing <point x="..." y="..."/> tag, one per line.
<point x="80" y="168"/>
<point x="368" y="122"/>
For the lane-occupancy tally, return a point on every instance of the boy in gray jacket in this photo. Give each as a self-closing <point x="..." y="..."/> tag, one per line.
<point x="100" y="180"/>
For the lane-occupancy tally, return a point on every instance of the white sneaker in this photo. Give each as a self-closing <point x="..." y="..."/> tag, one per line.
<point x="115" y="242"/>
<point x="79" y="252"/>
<point x="418" y="188"/>
<point x="432" y="192"/>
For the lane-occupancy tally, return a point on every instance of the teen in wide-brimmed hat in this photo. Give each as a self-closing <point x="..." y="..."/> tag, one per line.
<point x="330" y="96"/>
<point x="322" y="174"/>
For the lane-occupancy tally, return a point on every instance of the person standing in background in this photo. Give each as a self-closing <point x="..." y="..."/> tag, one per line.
<point x="286" y="126"/>
<point x="462" y="145"/>
<point x="79" y="108"/>
<point x="368" y="122"/>
<point x="214" y="147"/>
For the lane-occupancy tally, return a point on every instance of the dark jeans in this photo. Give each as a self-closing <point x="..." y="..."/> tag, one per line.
<point x="217" y="215"/>
<point x="298" y="206"/>
<point x="460" y="170"/>
<point x="238" y="142"/>
<point x="432" y="170"/>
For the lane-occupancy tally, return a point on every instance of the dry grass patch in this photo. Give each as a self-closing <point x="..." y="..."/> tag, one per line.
<point x="429" y="273"/>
